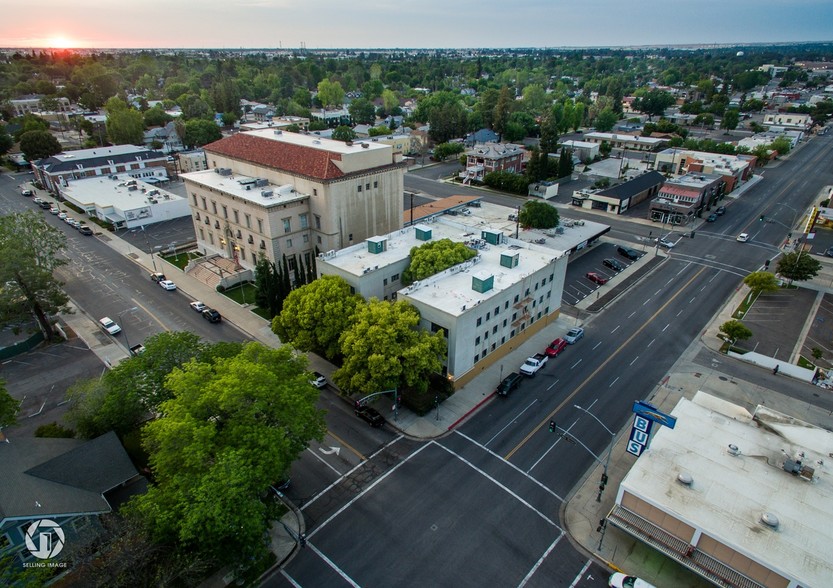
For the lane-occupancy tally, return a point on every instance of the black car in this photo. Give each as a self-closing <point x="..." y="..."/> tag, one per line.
<point x="370" y="415"/>
<point x="711" y="218"/>
<point x="211" y="315"/>
<point x="508" y="384"/>
<point x="85" y="230"/>
<point x="631" y="254"/>
<point x="613" y="264"/>
<point x="720" y="211"/>
<point x="45" y="205"/>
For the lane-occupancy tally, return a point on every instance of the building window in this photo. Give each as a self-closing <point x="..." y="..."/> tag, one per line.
<point x="260" y="226"/>
<point x="375" y="184"/>
<point x="488" y="315"/>
<point x="497" y="310"/>
<point x="367" y="186"/>
<point x="194" y="196"/>
<point x="319" y="240"/>
<point x="197" y="216"/>
<point x="504" y="323"/>
<point x="204" y="204"/>
<point x="315" y="191"/>
<point x="214" y="207"/>
<point x="242" y="254"/>
<point x="202" y="235"/>
<point x="476" y="357"/>
<point x="236" y="216"/>
<point x="527" y="292"/>
<point x="493" y="346"/>
<point x="317" y="221"/>
<point x="477" y="341"/>
<point x="517" y="297"/>
<point x="385" y="282"/>
<point x="306" y="238"/>
<point x="289" y="243"/>
<point x="248" y="221"/>
<point x="287" y="225"/>
<point x="512" y="334"/>
<point x="494" y="329"/>
<point x="479" y="321"/>
<point x="394" y="278"/>
<point x="359" y="188"/>
<point x="211" y="238"/>
<point x="302" y="218"/>
<point x="225" y="211"/>
<point x="502" y="340"/>
<point x="506" y="306"/>
<point x="514" y="316"/>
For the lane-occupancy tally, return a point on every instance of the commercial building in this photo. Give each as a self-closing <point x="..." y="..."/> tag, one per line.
<point x="789" y="120"/>
<point x="486" y="306"/>
<point x="138" y="162"/>
<point x="735" y="169"/>
<point x="626" y="141"/>
<point x="680" y="200"/>
<point x="124" y="201"/>
<point x="619" y="199"/>
<point x="744" y="500"/>
<point x="277" y="193"/>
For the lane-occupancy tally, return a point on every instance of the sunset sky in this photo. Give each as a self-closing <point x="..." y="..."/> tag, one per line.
<point x="419" y="23"/>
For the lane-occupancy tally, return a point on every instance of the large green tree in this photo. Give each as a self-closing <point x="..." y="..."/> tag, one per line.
<point x="330" y="93"/>
<point x="761" y="281"/>
<point x="36" y="145"/>
<point x="730" y="120"/>
<point x="434" y="257"/>
<point x="383" y="349"/>
<point x="125" y="125"/>
<point x="798" y="266"/>
<point x="654" y="102"/>
<point x="605" y="120"/>
<point x="343" y="133"/>
<point x="502" y="110"/>
<point x="30" y="249"/>
<point x="536" y="214"/>
<point x="232" y="427"/>
<point x="314" y="316"/>
<point x="362" y="111"/>
<point x="199" y="132"/>
<point x="735" y="330"/>
<point x="269" y="284"/>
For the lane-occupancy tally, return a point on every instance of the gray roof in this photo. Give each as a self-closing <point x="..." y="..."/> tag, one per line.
<point x="60" y="476"/>
<point x="635" y="186"/>
<point x="100" y="156"/>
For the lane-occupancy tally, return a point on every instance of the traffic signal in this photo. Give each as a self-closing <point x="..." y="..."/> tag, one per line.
<point x="761" y="219"/>
<point x="552" y="426"/>
<point x="692" y="234"/>
<point x="766" y="264"/>
<point x="604" y="479"/>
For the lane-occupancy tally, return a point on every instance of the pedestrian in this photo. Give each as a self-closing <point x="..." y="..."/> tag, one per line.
<point x="775" y="370"/>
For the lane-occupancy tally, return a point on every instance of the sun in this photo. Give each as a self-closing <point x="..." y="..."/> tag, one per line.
<point x="61" y="42"/>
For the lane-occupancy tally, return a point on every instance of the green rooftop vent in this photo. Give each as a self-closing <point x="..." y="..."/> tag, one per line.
<point x="482" y="282"/>
<point x="377" y="244"/>
<point x="509" y="259"/>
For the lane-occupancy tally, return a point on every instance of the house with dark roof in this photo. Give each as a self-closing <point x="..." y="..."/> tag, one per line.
<point x="491" y="157"/>
<point x="274" y="193"/>
<point x="137" y="162"/>
<point x="67" y="481"/>
<point x="619" y="199"/>
<point x="166" y="137"/>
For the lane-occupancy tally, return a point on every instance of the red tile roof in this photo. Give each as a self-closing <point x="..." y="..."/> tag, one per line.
<point x="294" y="159"/>
<point x="677" y="191"/>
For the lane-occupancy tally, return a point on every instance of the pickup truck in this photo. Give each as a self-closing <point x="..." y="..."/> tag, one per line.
<point x="533" y="364"/>
<point x="137" y="349"/>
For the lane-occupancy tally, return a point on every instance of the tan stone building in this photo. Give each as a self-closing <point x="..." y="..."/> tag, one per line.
<point x="276" y="193"/>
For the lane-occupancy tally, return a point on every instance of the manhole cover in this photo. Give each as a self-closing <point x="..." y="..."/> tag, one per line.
<point x="724" y="378"/>
<point x="434" y="527"/>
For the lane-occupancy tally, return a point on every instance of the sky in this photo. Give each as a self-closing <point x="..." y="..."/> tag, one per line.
<point x="326" y="24"/>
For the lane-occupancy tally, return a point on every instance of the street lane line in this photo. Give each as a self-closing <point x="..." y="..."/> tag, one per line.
<point x="649" y="344"/>
<point x="336" y="569"/>
<point x="357" y="466"/>
<point x="634" y="360"/>
<point x="575" y="364"/>
<point x="512" y="420"/>
<point x="538" y="563"/>
<point x="498" y="484"/>
<point x="368" y="489"/>
<point x="347" y="445"/>
<point x="289" y="579"/>
<point x="596" y="345"/>
<point x="324" y="461"/>
<point x="613" y="382"/>
<point x="616" y="329"/>
<point x="551" y="385"/>
<point x="581" y="574"/>
<point x="511" y="465"/>
<point x="551" y="447"/>
<point x="587" y="380"/>
<point x="151" y="315"/>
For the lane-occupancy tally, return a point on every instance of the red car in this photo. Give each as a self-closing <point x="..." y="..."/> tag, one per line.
<point x="594" y="277"/>
<point x="556" y="347"/>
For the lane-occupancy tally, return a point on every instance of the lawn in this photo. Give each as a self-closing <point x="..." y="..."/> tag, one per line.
<point x="182" y="259"/>
<point x="242" y="293"/>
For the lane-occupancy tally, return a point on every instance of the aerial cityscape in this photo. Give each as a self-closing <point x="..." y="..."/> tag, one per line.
<point x="436" y="295"/>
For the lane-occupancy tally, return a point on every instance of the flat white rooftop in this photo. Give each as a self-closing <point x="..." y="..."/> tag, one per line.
<point x="730" y="493"/>
<point x="315" y="142"/>
<point x="625" y="137"/>
<point x="254" y="190"/>
<point x="106" y="191"/>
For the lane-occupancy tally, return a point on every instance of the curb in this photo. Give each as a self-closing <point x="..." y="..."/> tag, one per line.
<point x="470" y="411"/>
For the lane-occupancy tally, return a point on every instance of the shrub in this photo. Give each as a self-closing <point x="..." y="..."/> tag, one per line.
<point x="54" y="430"/>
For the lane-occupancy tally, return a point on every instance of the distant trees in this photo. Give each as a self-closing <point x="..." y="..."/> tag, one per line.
<point x="156" y="117"/>
<point x="343" y="133"/>
<point x="330" y="93"/>
<point x="362" y="111"/>
<point x="605" y="120"/>
<point x="445" y="150"/>
<point x="730" y="120"/>
<point x="125" y="125"/>
<point x="653" y="103"/>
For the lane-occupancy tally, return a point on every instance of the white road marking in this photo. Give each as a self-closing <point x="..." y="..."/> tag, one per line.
<point x="575" y="364"/>
<point x="580" y="574"/>
<point x="511" y="422"/>
<point x="336" y="569"/>
<point x="634" y="360"/>
<point x="538" y="563"/>
<point x="666" y="327"/>
<point x="649" y="344"/>
<point x="324" y="461"/>
<point x="616" y="329"/>
<point x="551" y="385"/>
<point x="613" y="382"/>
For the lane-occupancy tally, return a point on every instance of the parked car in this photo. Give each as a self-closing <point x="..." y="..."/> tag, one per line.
<point x="46" y="205"/>
<point x="137" y="349"/>
<point x="508" y="384"/>
<point x="597" y="278"/>
<point x="619" y="580"/>
<point x="198" y="306"/>
<point x="829" y="252"/>
<point x="743" y="237"/>
<point x="574" y="335"/>
<point x="613" y="264"/>
<point x="37" y="200"/>
<point x="556" y="347"/>
<point x="27" y="193"/>
<point x="167" y="284"/>
<point x="632" y="254"/>
<point x="720" y="210"/>
<point x="211" y="315"/>
<point x="533" y="364"/>
<point x="85" y="230"/>
<point x="157" y="276"/>
<point x="54" y="209"/>
<point x="109" y="326"/>
<point x="711" y="218"/>
<point x="62" y="215"/>
<point x="370" y="415"/>
<point x="318" y="380"/>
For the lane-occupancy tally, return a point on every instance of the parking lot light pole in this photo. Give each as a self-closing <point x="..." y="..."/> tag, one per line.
<point x="150" y="250"/>
<point x="126" y="340"/>
<point x="609" y="451"/>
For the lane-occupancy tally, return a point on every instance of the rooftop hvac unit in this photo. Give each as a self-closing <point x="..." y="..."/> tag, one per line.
<point x="225" y="171"/>
<point x="261" y="182"/>
<point x="267" y="193"/>
<point x="132" y="188"/>
<point x="278" y="132"/>
<point x="365" y="145"/>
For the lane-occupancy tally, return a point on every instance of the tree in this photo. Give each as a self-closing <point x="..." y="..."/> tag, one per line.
<point x="549" y="133"/>
<point x="343" y="133"/>
<point x="362" y="111"/>
<point x="330" y="94"/>
<point x="390" y="101"/>
<point x="654" y="103"/>
<point x="125" y="126"/>
<point x="536" y="214"/>
<point x="29" y="122"/>
<point x="535" y="98"/>
<point x="798" y="265"/>
<point x="735" y="330"/>
<point x="270" y="293"/>
<point x="565" y="162"/>
<point x="199" y="132"/>
<point x="447" y="122"/>
<point x="29" y="248"/>
<point x="6" y="141"/>
<point x="8" y="407"/>
<point x="383" y="349"/>
<point x="502" y="110"/>
<point x="36" y="145"/>
<point x="314" y="316"/>
<point x="730" y="121"/>
<point x="156" y="117"/>
<point x="445" y="150"/>
<point x="232" y="427"/>
<point x="605" y="120"/>
<point x="761" y="281"/>
<point x="433" y="257"/>
<point x="781" y="145"/>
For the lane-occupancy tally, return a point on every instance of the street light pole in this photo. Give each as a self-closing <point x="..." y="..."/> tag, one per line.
<point x="609" y="451"/>
<point x="150" y="251"/>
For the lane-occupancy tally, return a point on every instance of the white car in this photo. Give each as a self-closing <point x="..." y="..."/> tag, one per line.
<point x="62" y="215"/>
<point x="108" y="325"/>
<point x="167" y="284"/>
<point x="743" y="237"/>
<point x="574" y="335"/>
<point x="198" y="306"/>
<point x="318" y="380"/>
<point x="619" y="580"/>
<point x="665" y="243"/>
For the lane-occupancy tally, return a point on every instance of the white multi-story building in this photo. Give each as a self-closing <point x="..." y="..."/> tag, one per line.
<point x="277" y="193"/>
<point x="485" y="306"/>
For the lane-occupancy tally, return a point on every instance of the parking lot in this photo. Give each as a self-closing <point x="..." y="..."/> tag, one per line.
<point x="577" y="286"/>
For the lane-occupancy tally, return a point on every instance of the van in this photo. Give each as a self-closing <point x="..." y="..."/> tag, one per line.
<point x="508" y="384"/>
